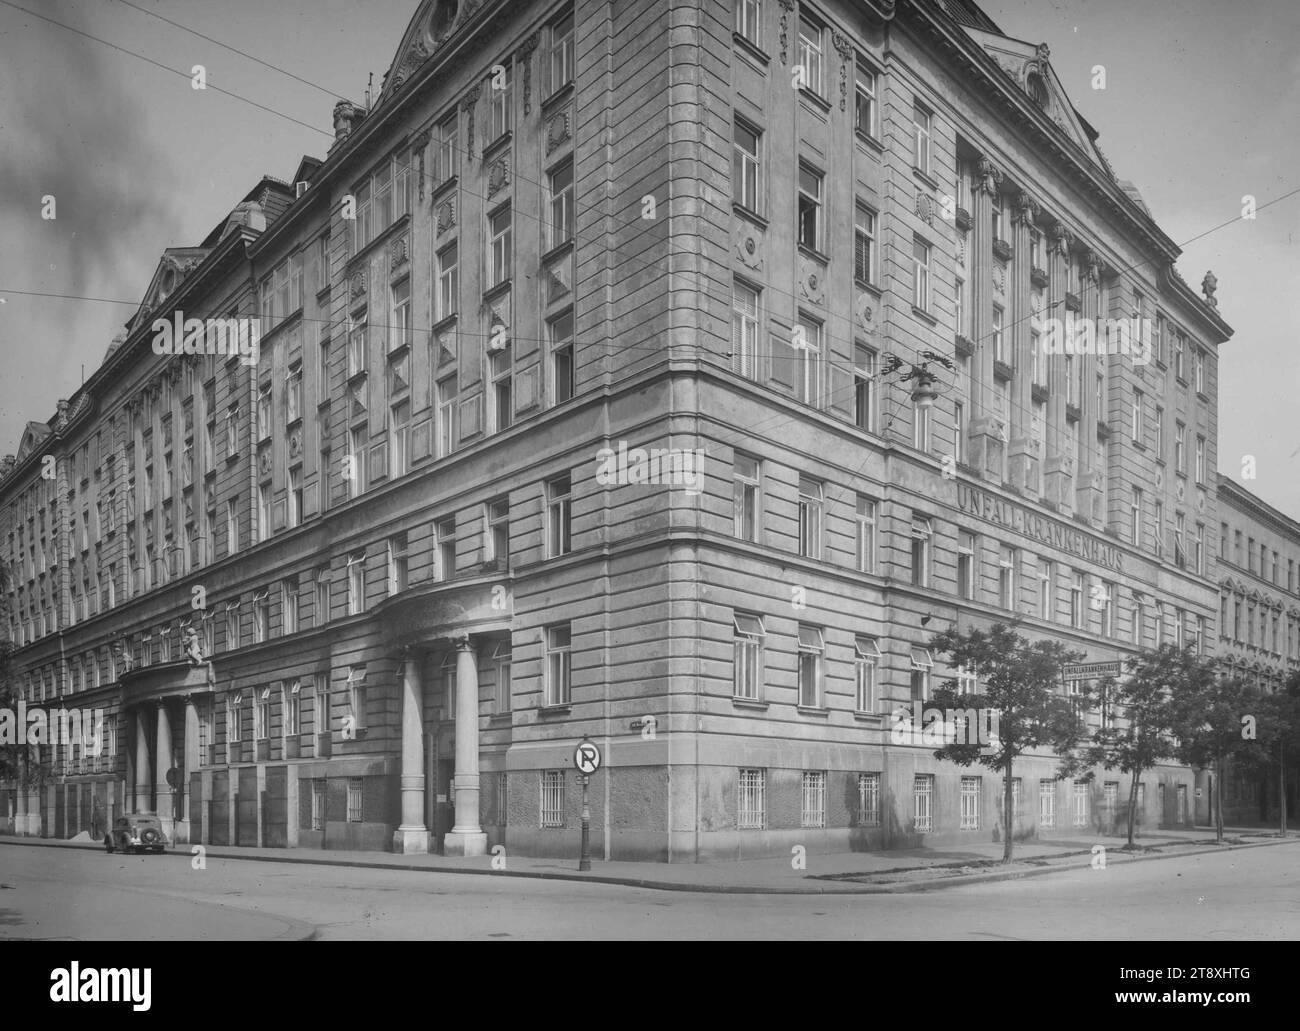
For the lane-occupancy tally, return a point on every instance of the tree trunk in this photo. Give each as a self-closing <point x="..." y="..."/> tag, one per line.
<point x="1008" y="814"/>
<point x="1132" y="806"/>
<point x="1281" y="786"/>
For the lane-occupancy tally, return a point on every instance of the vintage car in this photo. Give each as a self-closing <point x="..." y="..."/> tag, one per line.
<point x="136" y="832"/>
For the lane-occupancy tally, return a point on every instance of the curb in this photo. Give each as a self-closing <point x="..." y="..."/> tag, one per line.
<point x="850" y="887"/>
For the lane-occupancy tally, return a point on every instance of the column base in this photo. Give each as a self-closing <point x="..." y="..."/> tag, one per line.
<point x="464" y="843"/>
<point x="410" y="840"/>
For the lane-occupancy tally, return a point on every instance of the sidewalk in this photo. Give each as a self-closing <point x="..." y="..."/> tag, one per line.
<point x="901" y="870"/>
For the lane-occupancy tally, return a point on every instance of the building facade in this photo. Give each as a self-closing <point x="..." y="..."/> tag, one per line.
<point x="578" y="410"/>
<point x="1259" y="628"/>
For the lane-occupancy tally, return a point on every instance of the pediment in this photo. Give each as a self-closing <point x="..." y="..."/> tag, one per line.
<point x="1029" y="66"/>
<point x="33" y="435"/>
<point x="435" y="22"/>
<point x="176" y="263"/>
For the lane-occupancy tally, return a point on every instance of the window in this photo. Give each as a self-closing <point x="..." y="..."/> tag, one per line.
<point x="808" y="341"/>
<point x="448" y="282"/>
<point x="559" y="502"/>
<point x="354" y="799"/>
<point x="744" y="329"/>
<point x="356" y="344"/>
<point x="965" y="565"/>
<point x="445" y="535"/>
<point x="561" y="54"/>
<point x="1180" y="448"/>
<point x="745" y="486"/>
<point x="502" y="394"/>
<point x="922" y="802"/>
<point x="1200" y="459"/>
<point x="499" y="246"/>
<point x="1047" y="804"/>
<point x="1198" y="370"/>
<point x="322" y="596"/>
<point x="399" y="328"/>
<point x="446" y="415"/>
<point x="264" y="511"/>
<point x="234" y="717"/>
<point x="232" y="440"/>
<point x="289" y="607"/>
<point x="751" y="806"/>
<point x="1079" y="807"/>
<point x="560" y="333"/>
<point x="559" y="643"/>
<point x="868" y="799"/>
<point x="1180" y="553"/>
<point x="291" y="724"/>
<point x="810" y="208"/>
<point x="922" y="664"/>
<point x="814" y="799"/>
<point x="864" y="389"/>
<point x="318" y="804"/>
<point x="920" y="274"/>
<point x="357" y="475"/>
<point x="864" y="244"/>
<point x="498" y="535"/>
<point x="921" y="128"/>
<point x="999" y="341"/>
<point x="552" y="801"/>
<point x="1076" y="601"/>
<point x="866" y="534"/>
<point x="499" y="88"/>
<point x="560" y="204"/>
<point x="744" y="165"/>
<point x="1180" y="346"/>
<point x="867" y="659"/>
<point x="1198" y="560"/>
<point x="445" y="149"/>
<point x="1007" y="562"/>
<point x="921" y="534"/>
<point x="809" y="55"/>
<point x="810" y="518"/>
<point x="1136" y="425"/>
<point x="996" y="209"/>
<point x="747" y="656"/>
<point x="1159" y="528"/>
<point x="1135" y="517"/>
<point x="356" y="688"/>
<point x="398" y="565"/>
<point x="1046" y="590"/>
<point x="866" y="106"/>
<point x="970" y="803"/>
<point x="812" y="650"/>
<point x="232" y="527"/>
<point x="1106" y="607"/>
<point x="262" y="715"/>
<point x="501" y="664"/>
<point x="261" y="615"/>
<point x="748" y="18"/>
<point x="356" y="583"/>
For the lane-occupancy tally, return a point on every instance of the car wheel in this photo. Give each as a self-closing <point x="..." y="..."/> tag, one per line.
<point x="150" y="838"/>
<point x="108" y="844"/>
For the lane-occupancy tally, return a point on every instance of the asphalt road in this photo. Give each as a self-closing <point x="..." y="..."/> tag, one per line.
<point x="63" y="894"/>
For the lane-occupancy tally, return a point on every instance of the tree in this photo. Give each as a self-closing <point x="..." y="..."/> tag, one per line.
<point x="1278" y="736"/>
<point x="1140" y="714"/>
<point x="1214" y="721"/>
<point x="1019" y="681"/>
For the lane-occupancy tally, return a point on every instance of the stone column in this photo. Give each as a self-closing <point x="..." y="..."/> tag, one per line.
<point x="986" y="445"/>
<point x="467" y="838"/>
<point x="20" y="815"/>
<point x="192" y="762"/>
<point x="143" y="801"/>
<point x="412" y="835"/>
<point x="1022" y="464"/>
<point x="128" y="784"/>
<point x="162" y="763"/>
<point x="1089" y="490"/>
<point x="1058" y="479"/>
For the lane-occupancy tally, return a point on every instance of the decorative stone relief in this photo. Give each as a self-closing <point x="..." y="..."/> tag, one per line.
<point x="358" y="283"/>
<point x="558" y="131"/>
<point x="264" y="461"/>
<point x="446" y="348"/>
<point x="295" y="443"/>
<point x="925" y="207"/>
<point x="845" y="49"/>
<point x="399" y="252"/>
<point x="499" y="174"/>
<point x="786" y="7"/>
<point x="1024" y="209"/>
<point x="421" y="145"/>
<point x="446" y="214"/>
<point x="812" y="280"/>
<point x="467" y="105"/>
<point x="748" y="242"/>
<point x="524" y="55"/>
<point x="1061" y="239"/>
<point x="866" y="311"/>
<point x="988" y="176"/>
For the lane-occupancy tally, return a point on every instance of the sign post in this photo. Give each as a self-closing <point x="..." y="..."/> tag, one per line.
<point x="174" y="782"/>
<point x="586" y="757"/>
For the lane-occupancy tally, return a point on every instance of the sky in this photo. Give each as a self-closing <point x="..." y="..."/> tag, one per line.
<point x="1201" y="107"/>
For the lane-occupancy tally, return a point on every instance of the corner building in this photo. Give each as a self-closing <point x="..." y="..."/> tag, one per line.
<point x="702" y="225"/>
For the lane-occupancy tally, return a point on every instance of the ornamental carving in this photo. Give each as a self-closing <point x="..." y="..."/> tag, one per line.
<point x="558" y="131"/>
<point x="446" y="214"/>
<point x="421" y="145"/>
<point x="1061" y="239"/>
<point x="399" y="252"/>
<point x="498" y="174"/>
<point x="786" y="7"/>
<point x="1024" y="210"/>
<point x="524" y="55"/>
<point x="748" y="246"/>
<point x="467" y="105"/>
<point x="358" y="284"/>
<point x="295" y="443"/>
<point x="812" y="281"/>
<point x="988" y="176"/>
<point x="1092" y="267"/>
<point x="845" y="49"/>
<point x="925" y="207"/>
<point x="866" y="310"/>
